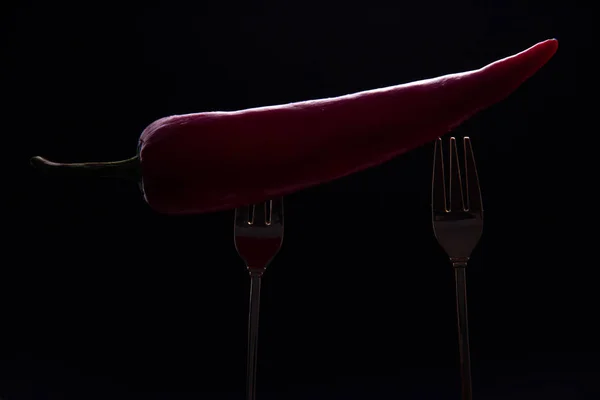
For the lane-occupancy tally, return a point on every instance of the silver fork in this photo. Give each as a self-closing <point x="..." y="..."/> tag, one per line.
<point x="258" y="234"/>
<point x="457" y="218"/>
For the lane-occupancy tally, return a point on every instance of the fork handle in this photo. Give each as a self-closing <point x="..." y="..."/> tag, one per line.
<point x="460" y="275"/>
<point x="253" y="316"/>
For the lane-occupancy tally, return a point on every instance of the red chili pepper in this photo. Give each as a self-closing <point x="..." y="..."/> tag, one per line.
<point x="211" y="161"/>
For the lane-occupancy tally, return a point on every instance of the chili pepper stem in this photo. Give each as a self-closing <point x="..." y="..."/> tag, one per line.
<point x="125" y="169"/>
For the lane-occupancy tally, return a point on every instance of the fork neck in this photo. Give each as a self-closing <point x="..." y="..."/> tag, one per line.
<point x="459" y="262"/>
<point x="256" y="272"/>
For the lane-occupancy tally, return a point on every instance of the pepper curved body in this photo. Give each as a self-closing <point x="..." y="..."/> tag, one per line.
<point x="204" y="162"/>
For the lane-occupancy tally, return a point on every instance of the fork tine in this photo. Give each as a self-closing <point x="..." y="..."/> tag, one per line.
<point x="438" y="185"/>
<point x="277" y="210"/>
<point x="268" y="212"/>
<point x="456" y="194"/>
<point x="242" y="215"/>
<point x="260" y="213"/>
<point x="473" y="191"/>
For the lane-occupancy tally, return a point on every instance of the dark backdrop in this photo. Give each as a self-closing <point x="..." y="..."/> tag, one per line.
<point x="103" y="298"/>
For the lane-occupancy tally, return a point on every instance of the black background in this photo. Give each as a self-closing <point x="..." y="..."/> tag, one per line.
<point x="103" y="298"/>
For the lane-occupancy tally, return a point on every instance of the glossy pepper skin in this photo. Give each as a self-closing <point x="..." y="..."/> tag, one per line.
<point x="204" y="162"/>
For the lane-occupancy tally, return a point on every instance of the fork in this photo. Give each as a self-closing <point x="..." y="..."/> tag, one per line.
<point x="258" y="234"/>
<point x="457" y="218"/>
